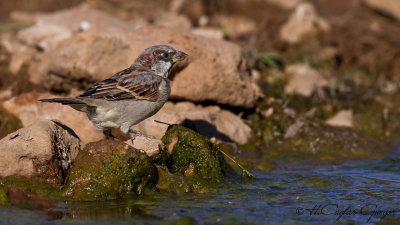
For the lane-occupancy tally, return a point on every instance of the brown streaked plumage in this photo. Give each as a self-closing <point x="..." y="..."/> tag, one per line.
<point x="131" y="95"/>
<point x="132" y="83"/>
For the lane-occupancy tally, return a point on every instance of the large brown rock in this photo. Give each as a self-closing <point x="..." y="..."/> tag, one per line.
<point x="45" y="150"/>
<point x="388" y="7"/>
<point x="28" y="110"/>
<point x="209" y="121"/>
<point x="216" y="70"/>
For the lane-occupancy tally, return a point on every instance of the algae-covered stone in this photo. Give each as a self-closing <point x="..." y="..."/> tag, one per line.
<point x="110" y="169"/>
<point x="3" y="196"/>
<point x="31" y="185"/>
<point x="196" y="163"/>
<point x="28" y="192"/>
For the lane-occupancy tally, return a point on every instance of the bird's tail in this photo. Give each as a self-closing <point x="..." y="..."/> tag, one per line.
<point x="73" y="102"/>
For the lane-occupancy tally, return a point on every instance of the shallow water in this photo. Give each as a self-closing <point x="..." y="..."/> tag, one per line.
<point x="301" y="195"/>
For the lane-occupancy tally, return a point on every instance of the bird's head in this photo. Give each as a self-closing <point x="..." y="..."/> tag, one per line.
<point x="159" y="59"/>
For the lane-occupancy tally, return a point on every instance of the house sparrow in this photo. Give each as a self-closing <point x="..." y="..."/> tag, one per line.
<point x="131" y="95"/>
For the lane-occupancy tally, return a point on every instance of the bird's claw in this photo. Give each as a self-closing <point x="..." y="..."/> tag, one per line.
<point x="135" y="133"/>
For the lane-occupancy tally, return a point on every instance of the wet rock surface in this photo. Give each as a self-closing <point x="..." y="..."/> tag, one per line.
<point x="109" y="169"/>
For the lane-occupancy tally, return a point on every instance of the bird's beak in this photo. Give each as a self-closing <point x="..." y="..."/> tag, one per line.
<point x="179" y="56"/>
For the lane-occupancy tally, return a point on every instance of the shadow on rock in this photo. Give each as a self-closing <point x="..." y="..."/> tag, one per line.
<point x="206" y="129"/>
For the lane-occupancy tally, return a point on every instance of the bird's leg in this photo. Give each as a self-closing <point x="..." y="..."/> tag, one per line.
<point x="109" y="135"/>
<point x="135" y="133"/>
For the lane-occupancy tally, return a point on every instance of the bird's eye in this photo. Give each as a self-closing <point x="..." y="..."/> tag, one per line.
<point x="165" y="55"/>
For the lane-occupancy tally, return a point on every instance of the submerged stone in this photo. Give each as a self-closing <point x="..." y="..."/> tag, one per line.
<point x="110" y="169"/>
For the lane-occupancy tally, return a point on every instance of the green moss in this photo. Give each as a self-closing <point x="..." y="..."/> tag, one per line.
<point x="109" y="169"/>
<point x="184" y="221"/>
<point x="3" y="196"/>
<point x="32" y="186"/>
<point x="196" y="164"/>
<point x="182" y="184"/>
<point x="191" y="147"/>
<point x="163" y="159"/>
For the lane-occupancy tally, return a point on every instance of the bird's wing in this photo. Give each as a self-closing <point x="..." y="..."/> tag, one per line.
<point x="131" y="83"/>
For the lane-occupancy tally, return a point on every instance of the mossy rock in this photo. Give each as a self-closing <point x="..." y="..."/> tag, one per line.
<point x="28" y="192"/>
<point x="196" y="164"/>
<point x="8" y="122"/>
<point x="3" y="196"/>
<point x="110" y="169"/>
<point x="32" y="186"/>
<point x="311" y="140"/>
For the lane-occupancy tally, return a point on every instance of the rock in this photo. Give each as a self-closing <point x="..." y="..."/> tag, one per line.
<point x="337" y="8"/>
<point x="194" y="10"/>
<point x="151" y="147"/>
<point x="196" y="164"/>
<point x="303" y="23"/>
<point x="285" y="4"/>
<point x="110" y="169"/>
<point x="94" y="55"/>
<point x="303" y="80"/>
<point x="74" y="18"/>
<point x="388" y="7"/>
<point x="20" y="53"/>
<point x="8" y="122"/>
<point x="44" y="37"/>
<point x="27" y="108"/>
<point x="209" y="121"/>
<point x="343" y="118"/>
<point x="209" y="32"/>
<point x="296" y="138"/>
<point x="238" y="26"/>
<point x="5" y="94"/>
<point x="23" y="17"/>
<point x="45" y="150"/>
<point x="173" y="21"/>
<point x="293" y="129"/>
<point x="29" y="193"/>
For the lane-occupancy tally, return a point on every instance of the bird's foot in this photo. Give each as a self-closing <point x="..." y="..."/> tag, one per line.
<point x="135" y="133"/>
<point x="109" y="135"/>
